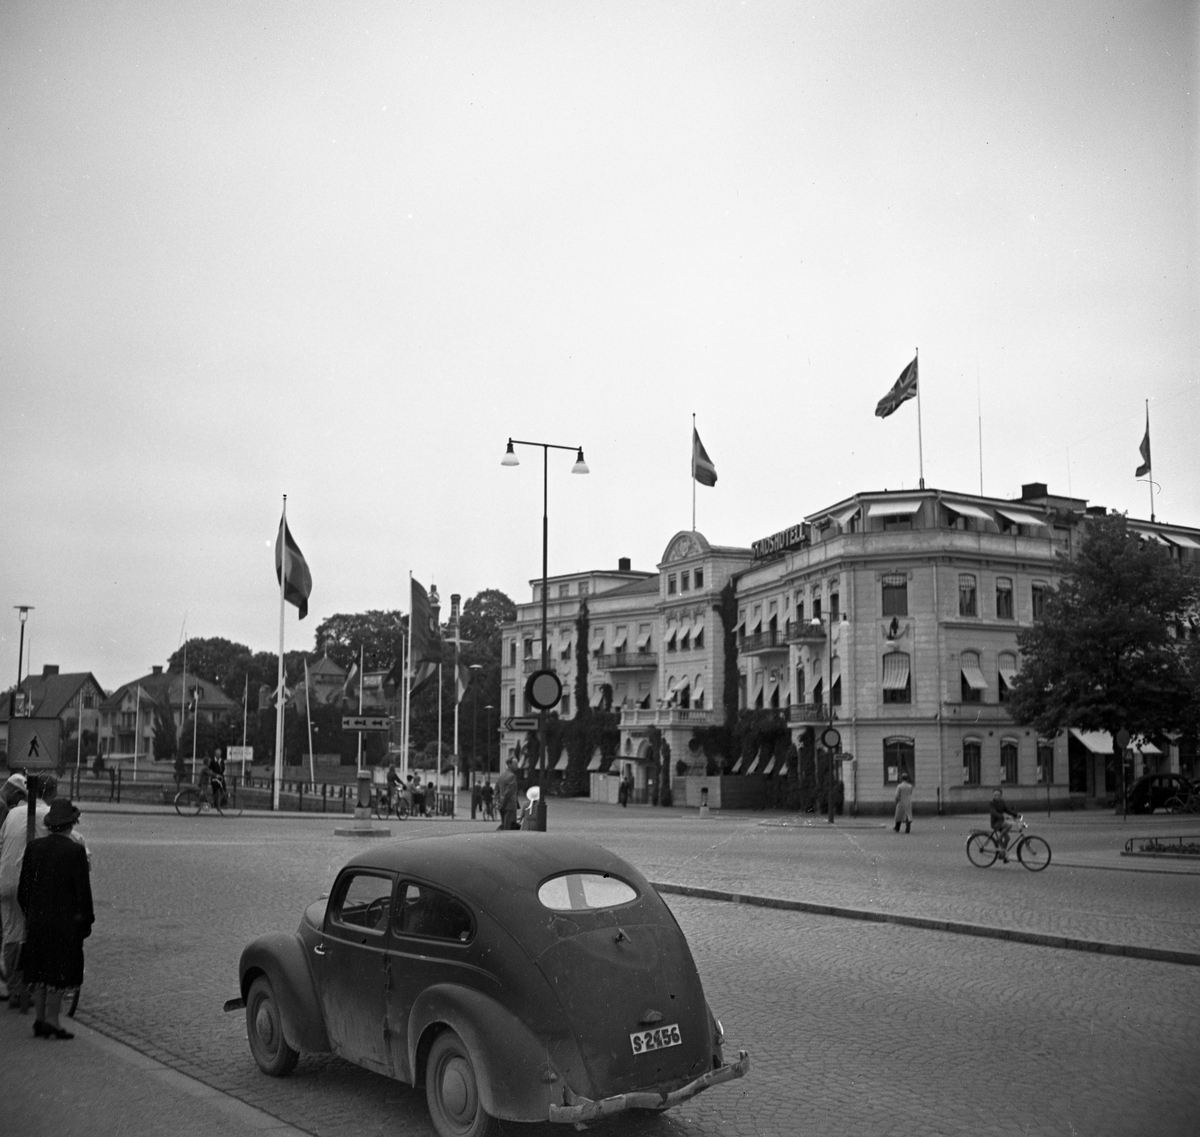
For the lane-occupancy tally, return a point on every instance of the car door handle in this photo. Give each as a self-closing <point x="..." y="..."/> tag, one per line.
<point x="319" y="949"/>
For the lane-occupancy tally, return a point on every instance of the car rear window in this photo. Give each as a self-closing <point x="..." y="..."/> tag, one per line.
<point x="580" y="891"/>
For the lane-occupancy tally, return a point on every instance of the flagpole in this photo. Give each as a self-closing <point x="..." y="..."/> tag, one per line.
<point x="408" y="677"/>
<point x="283" y="574"/>
<point x="693" y="471"/>
<point x="245" y="712"/>
<point x="439" y="725"/>
<point x="1150" y="472"/>
<point x="920" y="444"/>
<point x="312" y="766"/>
<point x="360" y="706"/>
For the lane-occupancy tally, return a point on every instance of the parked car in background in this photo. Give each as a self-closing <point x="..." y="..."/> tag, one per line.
<point x="1153" y="791"/>
<point x="520" y="976"/>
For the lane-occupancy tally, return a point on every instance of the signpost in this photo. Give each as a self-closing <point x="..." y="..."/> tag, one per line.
<point x="242" y="754"/>
<point x="526" y="722"/>
<point x="33" y="743"/>
<point x="366" y="722"/>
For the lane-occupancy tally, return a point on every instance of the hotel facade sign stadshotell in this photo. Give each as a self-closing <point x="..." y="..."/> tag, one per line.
<point x="791" y="538"/>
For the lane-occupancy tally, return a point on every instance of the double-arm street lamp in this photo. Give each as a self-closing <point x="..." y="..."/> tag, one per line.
<point x="476" y="668"/>
<point x="580" y="467"/>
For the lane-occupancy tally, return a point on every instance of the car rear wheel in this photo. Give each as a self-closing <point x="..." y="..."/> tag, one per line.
<point x="452" y="1090"/>
<point x="264" y="1028"/>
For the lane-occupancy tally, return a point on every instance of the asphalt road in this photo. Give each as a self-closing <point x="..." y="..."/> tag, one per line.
<point x="853" y="1028"/>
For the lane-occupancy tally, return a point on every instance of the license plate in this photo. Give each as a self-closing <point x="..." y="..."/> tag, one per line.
<point x="659" y="1038"/>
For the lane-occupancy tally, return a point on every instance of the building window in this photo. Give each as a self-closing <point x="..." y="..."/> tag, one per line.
<point x="799" y="684"/>
<point x="895" y="594"/>
<point x="897" y="679"/>
<point x="565" y="653"/>
<point x="1008" y="762"/>
<point x="899" y="757"/>
<point x="1004" y="594"/>
<point x="1006" y="668"/>
<point x="512" y="703"/>
<point x="971" y="762"/>
<point x="1045" y="762"/>
<point x="584" y="588"/>
<point x="799" y="609"/>
<point x="672" y="584"/>
<point x="672" y="645"/>
<point x="834" y="605"/>
<point x="835" y="692"/>
<point x="698" y="577"/>
<point x="966" y="594"/>
<point x="1038" y="593"/>
<point x="529" y="649"/>
<point x="512" y="653"/>
<point x="973" y="682"/>
<point x="564" y="707"/>
<point x="816" y="603"/>
<point x="89" y="701"/>
<point x="564" y="590"/>
<point x="685" y="581"/>
<point x="698" y="641"/>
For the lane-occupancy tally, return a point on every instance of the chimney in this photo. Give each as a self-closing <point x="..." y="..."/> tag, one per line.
<point x="1034" y="491"/>
<point x="623" y="564"/>
<point x="455" y="599"/>
<point x="156" y="669"/>
<point x="49" y="669"/>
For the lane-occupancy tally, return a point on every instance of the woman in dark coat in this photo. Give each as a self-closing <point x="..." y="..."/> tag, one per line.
<point x="56" y="896"/>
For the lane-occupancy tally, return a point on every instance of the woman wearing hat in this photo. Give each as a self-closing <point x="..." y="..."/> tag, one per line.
<point x="56" y="896"/>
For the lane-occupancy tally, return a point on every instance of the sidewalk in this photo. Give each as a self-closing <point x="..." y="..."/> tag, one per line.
<point x="94" y="1086"/>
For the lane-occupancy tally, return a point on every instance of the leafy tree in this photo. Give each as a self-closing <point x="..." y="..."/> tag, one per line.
<point x="378" y="633"/>
<point x="1101" y="657"/>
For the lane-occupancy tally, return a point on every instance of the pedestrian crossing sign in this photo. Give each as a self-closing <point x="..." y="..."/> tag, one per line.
<point x="33" y="743"/>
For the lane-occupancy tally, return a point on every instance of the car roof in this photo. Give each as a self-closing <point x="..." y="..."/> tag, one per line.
<point x="500" y="873"/>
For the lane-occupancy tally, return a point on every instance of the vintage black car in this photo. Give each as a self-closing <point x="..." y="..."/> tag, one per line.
<point x="521" y="976"/>
<point x="1154" y="791"/>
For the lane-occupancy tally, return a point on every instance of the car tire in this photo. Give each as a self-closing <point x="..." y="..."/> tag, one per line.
<point x="264" y="1029"/>
<point x="452" y="1090"/>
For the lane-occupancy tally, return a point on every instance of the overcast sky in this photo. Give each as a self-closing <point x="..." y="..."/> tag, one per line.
<point x="343" y="251"/>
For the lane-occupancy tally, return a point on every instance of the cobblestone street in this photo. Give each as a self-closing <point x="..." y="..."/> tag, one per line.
<point x="853" y="1028"/>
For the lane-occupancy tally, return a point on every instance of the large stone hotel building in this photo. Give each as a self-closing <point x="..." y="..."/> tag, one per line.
<point x="901" y="609"/>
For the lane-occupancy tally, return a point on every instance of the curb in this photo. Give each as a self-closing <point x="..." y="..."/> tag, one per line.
<point x="955" y="927"/>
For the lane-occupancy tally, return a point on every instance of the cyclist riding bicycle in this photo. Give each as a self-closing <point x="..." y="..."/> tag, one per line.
<point x="1000" y="827"/>
<point x="216" y="779"/>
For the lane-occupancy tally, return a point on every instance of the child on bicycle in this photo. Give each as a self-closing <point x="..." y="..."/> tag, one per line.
<point x="1001" y="827"/>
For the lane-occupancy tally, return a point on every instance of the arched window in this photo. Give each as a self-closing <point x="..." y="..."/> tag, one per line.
<point x="1009" y="751"/>
<point x="972" y="761"/>
<point x="899" y="757"/>
<point x="966" y="595"/>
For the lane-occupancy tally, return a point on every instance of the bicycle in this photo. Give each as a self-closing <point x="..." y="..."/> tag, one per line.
<point x="1184" y="803"/>
<point x="198" y="799"/>
<point x="383" y="807"/>
<point x="983" y="847"/>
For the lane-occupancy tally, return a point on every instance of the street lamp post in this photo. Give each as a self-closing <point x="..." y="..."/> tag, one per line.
<point x="829" y="738"/>
<point x="23" y="611"/>
<point x="487" y="736"/>
<point x="580" y="467"/>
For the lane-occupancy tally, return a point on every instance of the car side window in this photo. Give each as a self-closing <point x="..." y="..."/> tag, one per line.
<point x="364" y="903"/>
<point x="424" y="911"/>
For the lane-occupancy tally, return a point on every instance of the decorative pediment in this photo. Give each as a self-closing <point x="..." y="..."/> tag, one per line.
<point x="684" y="545"/>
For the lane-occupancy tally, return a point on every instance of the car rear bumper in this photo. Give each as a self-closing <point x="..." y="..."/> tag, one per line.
<point x="580" y="1109"/>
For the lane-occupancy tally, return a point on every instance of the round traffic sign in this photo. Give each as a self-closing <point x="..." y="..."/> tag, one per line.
<point x="830" y="738"/>
<point x="544" y="690"/>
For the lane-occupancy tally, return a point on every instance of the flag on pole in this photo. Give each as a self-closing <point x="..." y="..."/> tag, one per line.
<point x="463" y="681"/>
<point x="1144" y="468"/>
<point x="296" y="579"/>
<point x="703" y="469"/>
<point x="353" y="682"/>
<point x="903" y="389"/>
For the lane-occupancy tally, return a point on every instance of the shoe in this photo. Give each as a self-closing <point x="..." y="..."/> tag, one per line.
<point x="39" y="1029"/>
<point x="56" y="1032"/>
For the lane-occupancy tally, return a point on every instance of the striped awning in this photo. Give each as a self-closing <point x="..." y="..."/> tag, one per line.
<point x="685" y="628"/>
<point x="893" y="508"/>
<point x="594" y="764"/>
<point x="697" y="625"/>
<point x="561" y="764"/>
<point x="1020" y="516"/>
<point x="770" y="765"/>
<point x="974" y="676"/>
<point x="1183" y="539"/>
<point x="1006" y="664"/>
<point x="845" y="516"/>
<point x="895" y="671"/>
<point x="1151" y="535"/>
<point x="621" y="639"/>
<point x="643" y="641"/>
<point x="698" y="688"/>
<point x="753" y="765"/>
<point x="966" y="509"/>
<point x="1100" y="742"/>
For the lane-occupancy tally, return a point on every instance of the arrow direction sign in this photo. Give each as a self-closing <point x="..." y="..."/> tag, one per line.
<point x="366" y="722"/>
<point x="527" y="722"/>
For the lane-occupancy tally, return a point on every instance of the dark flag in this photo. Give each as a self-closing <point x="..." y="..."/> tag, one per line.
<point x="1144" y="468"/>
<point x="703" y="469"/>
<point x="297" y="580"/>
<point x="903" y="389"/>
<point x="426" y="637"/>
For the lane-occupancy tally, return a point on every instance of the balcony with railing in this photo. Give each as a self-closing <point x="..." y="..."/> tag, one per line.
<point x="803" y="631"/>
<point x="808" y="712"/>
<point x="532" y="663"/>
<point x="627" y="661"/>
<point x="666" y="716"/>
<point x="761" y="643"/>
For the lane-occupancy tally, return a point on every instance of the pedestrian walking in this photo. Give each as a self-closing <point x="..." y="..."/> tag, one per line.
<point x="393" y="782"/>
<point x="12" y="856"/>
<point x="506" y="796"/>
<point x="488" y="793"/>
<point x="904" y="792"/>
<point x="55" y="895"/>
<point x="12" y="794"/>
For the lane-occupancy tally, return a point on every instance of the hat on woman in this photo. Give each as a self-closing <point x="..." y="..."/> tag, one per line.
<point x="62" y="815"/>
<point x="16" y="780"/>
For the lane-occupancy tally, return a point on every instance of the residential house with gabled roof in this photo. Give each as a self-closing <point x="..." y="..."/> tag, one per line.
<point x="73" y="697"/>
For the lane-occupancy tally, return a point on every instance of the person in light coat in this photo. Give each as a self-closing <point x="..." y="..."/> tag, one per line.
<point x="12" y="856"/>
<point x="904" y="792"/>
